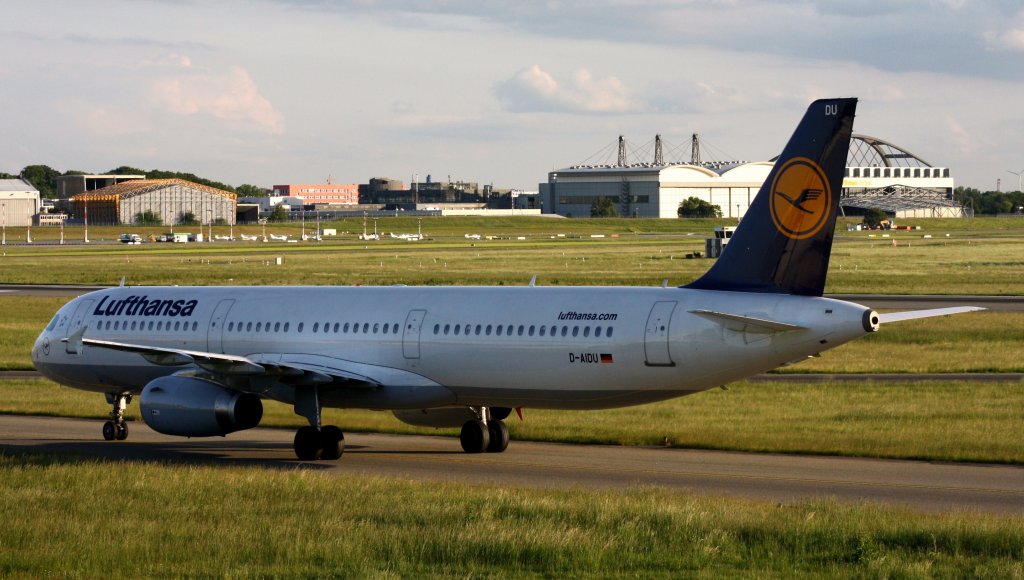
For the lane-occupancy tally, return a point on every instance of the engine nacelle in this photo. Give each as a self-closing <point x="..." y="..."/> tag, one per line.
<point x="194" y="407"/>
<point x="445" y="416"/>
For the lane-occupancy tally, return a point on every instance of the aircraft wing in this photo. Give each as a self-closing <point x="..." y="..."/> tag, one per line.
<point x="270" y="365"/>
<point x="913" y="314"/>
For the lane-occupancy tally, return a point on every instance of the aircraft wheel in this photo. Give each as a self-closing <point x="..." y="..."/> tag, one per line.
<point x="333" y="442"/>
<point x="499" y="436"/>
<point x="109" y="430"/>
<point x="475" y="437"/>
<point x="122" y="431"/>
<point x="308" y="444"/>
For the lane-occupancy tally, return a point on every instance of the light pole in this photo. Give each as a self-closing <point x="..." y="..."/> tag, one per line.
<point x="1019" y="174"/>
<point x="209" y="223"/>
<point x="3" y="241"/>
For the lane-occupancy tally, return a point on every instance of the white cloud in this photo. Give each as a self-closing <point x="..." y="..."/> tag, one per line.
<point x="534" y="90"/>
<point x="233" y="97"/>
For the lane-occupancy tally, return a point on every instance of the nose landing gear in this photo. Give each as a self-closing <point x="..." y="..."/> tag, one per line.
<point x="116" y="428"/>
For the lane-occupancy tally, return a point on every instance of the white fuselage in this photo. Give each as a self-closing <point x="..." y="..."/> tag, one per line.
<point x="549" y="347"/>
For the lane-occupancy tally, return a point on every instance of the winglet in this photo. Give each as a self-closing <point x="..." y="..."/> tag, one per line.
<point x="783" y="243"/>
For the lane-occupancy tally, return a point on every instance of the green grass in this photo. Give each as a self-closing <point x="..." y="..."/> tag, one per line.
<point x="70" y="517"/>
<point x="949" y="421"/>
<point x="980" y="256"/>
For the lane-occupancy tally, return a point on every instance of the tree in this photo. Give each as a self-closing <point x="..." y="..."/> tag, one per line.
<point x="43" y="178"/>
<point x="188" y="218"/>
<point x="279" y="214"/>
<point x="603" y="207"/>
<point x="694" y="207"/>
<point x="148" y="218"/>
<point x="873" y="217"/>
<point x="248" y="190"/>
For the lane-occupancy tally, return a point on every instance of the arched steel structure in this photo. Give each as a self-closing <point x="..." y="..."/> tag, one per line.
<point x="868" y="151"/>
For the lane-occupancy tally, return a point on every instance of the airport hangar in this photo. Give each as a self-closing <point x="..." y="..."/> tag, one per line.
<point x="170" y="199"/>
<point x="19" y="202"/>
<point x="878" y="175"/>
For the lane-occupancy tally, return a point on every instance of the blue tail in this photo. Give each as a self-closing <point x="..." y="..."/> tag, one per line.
<point x="784" y="241"/>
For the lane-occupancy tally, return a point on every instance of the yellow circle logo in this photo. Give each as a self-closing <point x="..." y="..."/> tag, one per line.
<point x="800" y="198"/>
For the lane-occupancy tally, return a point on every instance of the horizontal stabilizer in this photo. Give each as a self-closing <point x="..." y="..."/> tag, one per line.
<point x="742" y="323"/>
<point x="913" y="314"/>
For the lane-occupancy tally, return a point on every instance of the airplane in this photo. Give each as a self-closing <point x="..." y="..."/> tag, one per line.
<point x="279" y="238"/>
<point x="249" y="238"/>
<point x="202" y="359"/>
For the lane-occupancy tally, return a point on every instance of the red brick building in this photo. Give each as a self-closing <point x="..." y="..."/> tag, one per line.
<point x="316" y="193"/>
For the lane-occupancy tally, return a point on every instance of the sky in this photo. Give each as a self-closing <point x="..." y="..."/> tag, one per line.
<point x="298" y="91"/>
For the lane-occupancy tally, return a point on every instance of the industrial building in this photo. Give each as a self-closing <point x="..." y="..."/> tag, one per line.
<point x="172" y="200"/>
<point x="71" y="185"/>
<point x="879" y="175"/>
<point x="321" y="193"/>
<point x="19" y="202"/>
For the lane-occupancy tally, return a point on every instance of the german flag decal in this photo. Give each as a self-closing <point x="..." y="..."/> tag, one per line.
<point x="800" y="198"/>
<point x="606" y="358"/>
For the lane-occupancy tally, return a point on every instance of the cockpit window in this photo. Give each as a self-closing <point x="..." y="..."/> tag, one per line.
<point x="53" y="323"/>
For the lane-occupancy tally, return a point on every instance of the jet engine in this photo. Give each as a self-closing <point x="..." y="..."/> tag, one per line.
<point x="194" y="407"/>
<point x="445" y="416"/>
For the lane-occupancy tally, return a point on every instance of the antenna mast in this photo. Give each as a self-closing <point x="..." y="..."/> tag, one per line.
<point x="695" y="150"/>
<point x="622" y="151"/>
<point x="659" y="155"/>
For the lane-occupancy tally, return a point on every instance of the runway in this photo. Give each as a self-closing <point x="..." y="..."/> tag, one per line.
<point x="927" y="486"/>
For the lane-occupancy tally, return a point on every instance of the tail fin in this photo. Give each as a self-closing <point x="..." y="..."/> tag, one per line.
<point x="783" y="243"/>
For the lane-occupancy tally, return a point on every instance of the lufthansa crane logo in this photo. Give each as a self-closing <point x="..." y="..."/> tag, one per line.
<point x="800" y="198"/>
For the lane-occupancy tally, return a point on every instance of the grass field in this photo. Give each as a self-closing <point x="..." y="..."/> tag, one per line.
<point x="950" y="421"/>
<point x="88" y="518"/>
<point x="980" y="256"/>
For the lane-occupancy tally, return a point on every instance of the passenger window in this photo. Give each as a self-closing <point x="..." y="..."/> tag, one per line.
<point x="565" y="330"/>
<point x="437" y="329"/>
<point x="345" y="328"/>
<point x="286" y="326"/>
<point x="231" y="326"/>
<point x="477" y="330"/>
<point x="259" y="325"/>
<point x="133" y="325"/>
<point x="575" y="331"/>
<point x="586" y="331"/>
<point x="609" y="333"/>
<point x="508" y="331"/>
<point x="498" y="330"/>
<point x="366" y="327"/>
<point x="316" y="327"/>
<point x="277" y="327"/>
<point x="531" y="330"/>
<point x="376" y="327"/>
<point x="394" y="328"/>
<point x="386" y="327"/>
<point x="177" y="325"/>
<point x="521" y="329"/>
<point x="542" y="329"/>
<point x="447" y="328"/>
<point x="248" y="326"/>
<point x="487" y="331"/>
<point x="456" y="330"/>
<point x="597" y="332"/>
<point x="150" y="325"/>
<point x="301" y="325"/>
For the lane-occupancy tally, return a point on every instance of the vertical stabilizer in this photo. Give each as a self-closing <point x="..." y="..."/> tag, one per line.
<point x="784" y="241"/>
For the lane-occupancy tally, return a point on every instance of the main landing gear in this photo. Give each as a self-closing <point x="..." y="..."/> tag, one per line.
<point x="486" y="433"/>
<point x="116" y="428"/>
<point x="315" y="441"/>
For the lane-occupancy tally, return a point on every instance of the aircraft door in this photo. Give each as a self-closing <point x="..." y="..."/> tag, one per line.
<point x="215" y="332"/>
<point x="76" y="322"/>
<point x="656" y="336"/>
<point x="411" y="335"/>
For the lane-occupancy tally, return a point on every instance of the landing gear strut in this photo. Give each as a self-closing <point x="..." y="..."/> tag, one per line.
<point x="116" y="428"/>
<point x="484" y="434"/>
<point x="315" y="441"/>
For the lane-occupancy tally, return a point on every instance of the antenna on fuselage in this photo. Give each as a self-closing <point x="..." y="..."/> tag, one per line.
<point x="533" y="281"/>
<point x="122" y="281"/>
